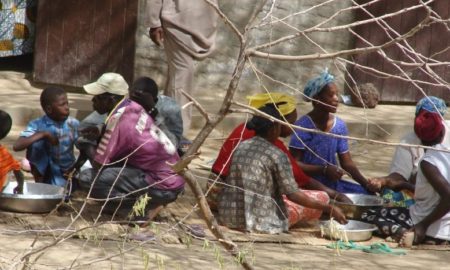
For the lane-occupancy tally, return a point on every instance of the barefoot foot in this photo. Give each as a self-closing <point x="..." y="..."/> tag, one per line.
<point x="407" y="239"/>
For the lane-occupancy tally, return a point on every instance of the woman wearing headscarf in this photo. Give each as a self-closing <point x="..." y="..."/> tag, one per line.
<point x="259" y="177"/>
<point x="287" y="107"/>
<point x="428" y="219"/>
<point x="398" y="186"/>
<point x="318" y="153"/>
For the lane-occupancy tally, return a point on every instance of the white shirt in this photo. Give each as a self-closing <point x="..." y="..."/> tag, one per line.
<point x="427" y="198"/>
<point x="406" y="159"/>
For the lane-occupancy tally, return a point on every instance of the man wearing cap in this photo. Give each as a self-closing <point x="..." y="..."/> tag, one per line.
<point x="134" y="155"/>
<point x="107" y="92"/>
<point x="398" y="186"/>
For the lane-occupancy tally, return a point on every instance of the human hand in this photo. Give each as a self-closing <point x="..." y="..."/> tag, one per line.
<point x="18" y="189"/>
<point x="53" y="140"/>
<point x="157" y="35"/>
<point x="333" y="173"/>
<point x="376" y="184"/>
<point x="91" y="133"/>
<point x="338" y="215"/>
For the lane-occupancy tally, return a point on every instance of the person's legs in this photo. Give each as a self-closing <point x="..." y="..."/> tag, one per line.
<point x="299" y="213"/>
<point x="114" y="182"/>
<point x="391" y="221"/>
<point x="43" y="169"/>
<point x="180" y="76"/>
<point x="159" y="199"/>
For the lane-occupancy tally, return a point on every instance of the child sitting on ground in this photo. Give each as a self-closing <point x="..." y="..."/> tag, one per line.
<point x="7" y="161"/>
<point x="49" y="139"/>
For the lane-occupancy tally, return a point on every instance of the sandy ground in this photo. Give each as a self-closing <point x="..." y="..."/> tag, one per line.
<point x="81" y="254"/>
<point x="174" y="249"/>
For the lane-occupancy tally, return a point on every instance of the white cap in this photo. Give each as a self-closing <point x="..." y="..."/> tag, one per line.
<point x="108" y="83"/>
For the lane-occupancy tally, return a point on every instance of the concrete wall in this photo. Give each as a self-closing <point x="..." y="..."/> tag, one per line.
<point x="213" y="74"/>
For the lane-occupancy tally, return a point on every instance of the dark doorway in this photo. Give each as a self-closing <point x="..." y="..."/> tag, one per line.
<point x="22" y="63"/>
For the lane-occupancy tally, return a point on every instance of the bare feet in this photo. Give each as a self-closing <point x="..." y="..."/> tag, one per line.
<point x="151" y="214"/>
<point x="407" y="239"/>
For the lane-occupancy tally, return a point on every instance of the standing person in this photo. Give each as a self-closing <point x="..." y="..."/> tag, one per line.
<point x="187" y="30"/>
<point x="50" y="139"/>
<point x="132" y="138"/>
<point x="316" y="152"/>
<point x="428" y="219"/>
<point x="260" y="184"/>
<point x="398" y="186"/>
<point x="7" y="161"/>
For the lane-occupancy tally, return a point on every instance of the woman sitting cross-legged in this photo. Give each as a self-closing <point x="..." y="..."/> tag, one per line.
<point x="260" y="182"/>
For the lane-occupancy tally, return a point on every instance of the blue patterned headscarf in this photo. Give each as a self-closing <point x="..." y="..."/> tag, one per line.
<point x="431" y="104"/>
<point x="314" y="86"/>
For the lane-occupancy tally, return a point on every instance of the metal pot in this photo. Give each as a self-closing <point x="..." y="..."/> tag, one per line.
<point x="354" y="230"/>
<point x="361" y="203"/>
<point x="36" y="198"/>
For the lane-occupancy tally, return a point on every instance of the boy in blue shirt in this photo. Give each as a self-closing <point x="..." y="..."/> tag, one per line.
<point x="49" y="139"/>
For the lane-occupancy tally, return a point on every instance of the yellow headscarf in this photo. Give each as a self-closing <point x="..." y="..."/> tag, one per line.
<point x="259" y="100"/>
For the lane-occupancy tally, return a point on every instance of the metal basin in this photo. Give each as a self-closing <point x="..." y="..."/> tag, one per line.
<point x="36" y="198"/>
<point x="352" y="231"/>
<point x="361" y="203"/>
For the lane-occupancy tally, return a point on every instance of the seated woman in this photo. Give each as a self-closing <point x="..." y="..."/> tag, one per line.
<point x="317" y="152"/>
<point x="287" y="108"/>
<point x="398" y="186"/>
<point x="259" y="176"/>
<point x="428" y="220"/>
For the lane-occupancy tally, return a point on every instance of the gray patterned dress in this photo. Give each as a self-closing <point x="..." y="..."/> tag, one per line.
<point x="260" y="173"/>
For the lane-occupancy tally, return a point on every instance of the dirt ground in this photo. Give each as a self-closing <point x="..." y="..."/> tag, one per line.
<point x="63" y="240"/>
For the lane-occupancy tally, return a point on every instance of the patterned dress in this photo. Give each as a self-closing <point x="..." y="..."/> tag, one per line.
<point x="252" y="201"/>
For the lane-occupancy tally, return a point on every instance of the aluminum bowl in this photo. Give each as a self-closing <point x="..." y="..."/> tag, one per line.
<point x="361" y="203"/>
<point x="36" y="198"/>
<point x="354" y="230"/>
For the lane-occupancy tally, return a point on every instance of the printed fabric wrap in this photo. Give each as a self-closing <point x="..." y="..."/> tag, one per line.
<point x="17" y="27"/>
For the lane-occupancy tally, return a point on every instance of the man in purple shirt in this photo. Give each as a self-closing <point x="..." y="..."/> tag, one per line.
<point x="133" y="155"/>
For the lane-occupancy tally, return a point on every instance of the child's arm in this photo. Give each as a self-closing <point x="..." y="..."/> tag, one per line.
<point x="23" y="142"/>
<point x="19" y="177"/>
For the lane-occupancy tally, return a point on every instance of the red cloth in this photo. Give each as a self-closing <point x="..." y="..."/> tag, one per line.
<point x="428" y="126"/>
<point x="223" y="161"/>
<point x="7" y="164"/>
